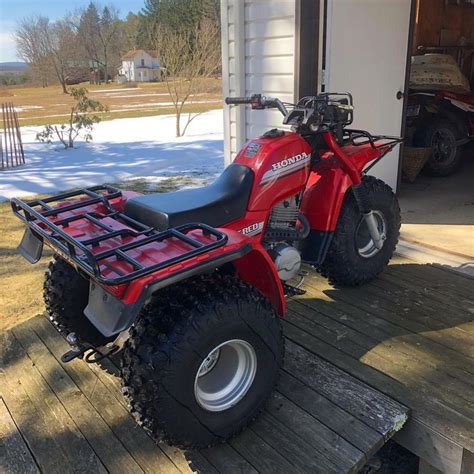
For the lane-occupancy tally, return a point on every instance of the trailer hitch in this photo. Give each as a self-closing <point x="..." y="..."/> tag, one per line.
<point x="88" y="352"/>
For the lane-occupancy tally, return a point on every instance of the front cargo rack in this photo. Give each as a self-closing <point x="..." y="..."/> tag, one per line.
<point x="35" y="215"/>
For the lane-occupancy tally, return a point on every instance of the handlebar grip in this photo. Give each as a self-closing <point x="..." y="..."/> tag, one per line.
<point x="238" y="100"/>
<point x="348" y="108"/>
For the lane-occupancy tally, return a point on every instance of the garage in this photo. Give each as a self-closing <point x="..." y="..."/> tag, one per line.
<point x="293" y="48"/>
<point x="438" y="203"/>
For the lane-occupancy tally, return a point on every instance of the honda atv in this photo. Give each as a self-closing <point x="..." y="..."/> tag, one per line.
<point x="190" y="286"/>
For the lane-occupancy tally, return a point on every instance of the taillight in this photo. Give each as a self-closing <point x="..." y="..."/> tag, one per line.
<point x="115" y="290"/>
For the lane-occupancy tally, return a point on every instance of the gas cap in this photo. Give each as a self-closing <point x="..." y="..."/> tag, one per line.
<point x="273" y="133"/>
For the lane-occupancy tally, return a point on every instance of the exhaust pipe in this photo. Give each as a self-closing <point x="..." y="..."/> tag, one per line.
<point x="375" y="234"/>
<point x="369" y="216"/>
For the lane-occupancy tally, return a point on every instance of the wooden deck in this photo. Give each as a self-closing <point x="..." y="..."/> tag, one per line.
<point x="350" y="354"/>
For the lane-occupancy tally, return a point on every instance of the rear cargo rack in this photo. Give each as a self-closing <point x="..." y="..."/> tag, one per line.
<point x="35" y="215"/>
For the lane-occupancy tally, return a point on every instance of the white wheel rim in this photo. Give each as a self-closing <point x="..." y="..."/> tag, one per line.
<point x="225" y="375"/>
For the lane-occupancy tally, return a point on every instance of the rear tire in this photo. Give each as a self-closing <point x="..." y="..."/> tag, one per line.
<point x="65" y="295"/>
<point x="175" y="381"/>
<point x="441" y="136"/>
<point x="350" y="260"/>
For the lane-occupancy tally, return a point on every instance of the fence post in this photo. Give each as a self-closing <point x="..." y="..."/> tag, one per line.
<point x="12" y="143"/>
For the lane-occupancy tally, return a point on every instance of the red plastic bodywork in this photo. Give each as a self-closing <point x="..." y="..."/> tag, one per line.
<point x="255" y="267"/>
<point x="328" y="183"/>
<point x="465" y="98"/>
<point x="323" y="188"/>
<point x="275" y="178"/>
<point x="464" y="102"/>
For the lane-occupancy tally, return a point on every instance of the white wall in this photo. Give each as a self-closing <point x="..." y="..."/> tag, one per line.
<point x="148" y="60"/>
<point x="258" y="46"/>
<point x="366" y="54"/>
<point x="128" y="69"/>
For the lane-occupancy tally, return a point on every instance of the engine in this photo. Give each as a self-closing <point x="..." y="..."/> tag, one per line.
<point x="284" y="215"/>
<point x="287" y="260"/>
<point x="281" y="231"/>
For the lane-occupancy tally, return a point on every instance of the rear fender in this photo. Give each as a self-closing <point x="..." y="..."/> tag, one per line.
<point x="257" y="269"/>
<point x="112" y="314"/>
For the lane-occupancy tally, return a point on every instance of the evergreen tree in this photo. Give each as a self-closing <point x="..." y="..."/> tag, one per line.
<point x="99" y="34"/>
<point x="180" y="16"/>
<point x="131" y="33"/>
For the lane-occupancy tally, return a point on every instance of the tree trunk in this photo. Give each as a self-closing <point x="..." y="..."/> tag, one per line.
<point x="63" y="84"/>
<point x="178" y="125"/>
<point x="106" y="72"/>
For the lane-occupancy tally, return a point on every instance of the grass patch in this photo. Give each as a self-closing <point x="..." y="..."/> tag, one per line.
<point x="47" y="105"/>
<point x="195" y="108"/>
<point x="21" y="283"/>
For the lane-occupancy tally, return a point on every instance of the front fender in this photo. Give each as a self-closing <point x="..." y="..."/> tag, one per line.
<point x="323" y="197"/>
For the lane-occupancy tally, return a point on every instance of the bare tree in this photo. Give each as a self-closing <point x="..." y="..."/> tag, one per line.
<point x="189" y="58"/>
<point x="108" y="35"/>
<point x="32" y="47"/>
<point x="49" y="47"/>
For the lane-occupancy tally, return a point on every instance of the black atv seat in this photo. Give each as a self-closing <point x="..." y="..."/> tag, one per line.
<point x="223" y="201"/>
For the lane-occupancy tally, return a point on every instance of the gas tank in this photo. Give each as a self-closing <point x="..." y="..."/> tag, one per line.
<point x="281" y="165"/>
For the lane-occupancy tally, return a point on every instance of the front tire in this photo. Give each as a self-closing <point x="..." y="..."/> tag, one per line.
<point x="352" y="258"/>
<point x="202" y="360"/>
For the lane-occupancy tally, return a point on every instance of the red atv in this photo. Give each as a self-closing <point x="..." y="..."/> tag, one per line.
<point x="190" y="286"/>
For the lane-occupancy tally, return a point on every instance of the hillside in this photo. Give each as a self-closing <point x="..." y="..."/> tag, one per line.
<point x="13" y="67"/>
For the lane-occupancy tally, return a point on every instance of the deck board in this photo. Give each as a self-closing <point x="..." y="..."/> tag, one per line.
<point x="356" y="358"/>
<point x="40" y="416"/>
<point x="15" y="457"/>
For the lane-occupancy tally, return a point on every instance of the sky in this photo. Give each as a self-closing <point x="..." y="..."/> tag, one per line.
<point x="12" y="11"/>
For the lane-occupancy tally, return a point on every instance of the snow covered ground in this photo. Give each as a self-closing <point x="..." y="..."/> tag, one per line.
<point x="122" y="149"/>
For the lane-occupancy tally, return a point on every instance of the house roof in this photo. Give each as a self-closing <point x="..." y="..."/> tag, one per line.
<point x="131" y="54"/>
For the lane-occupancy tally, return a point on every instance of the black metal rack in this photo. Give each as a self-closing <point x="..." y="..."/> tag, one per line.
<point x="351" y="135"/>
<point x="80" y="253"/>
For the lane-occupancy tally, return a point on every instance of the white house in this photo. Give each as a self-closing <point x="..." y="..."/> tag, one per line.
<point x="139" y="65"/>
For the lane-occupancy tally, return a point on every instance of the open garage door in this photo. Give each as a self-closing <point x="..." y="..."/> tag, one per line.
<point x="366" y="54"/>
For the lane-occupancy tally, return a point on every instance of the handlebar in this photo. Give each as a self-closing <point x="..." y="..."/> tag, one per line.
<point x="258" y="101"/>
<point x="238" y="100"/>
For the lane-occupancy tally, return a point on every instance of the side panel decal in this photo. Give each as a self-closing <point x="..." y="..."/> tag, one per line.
<point x="285" y="167"/>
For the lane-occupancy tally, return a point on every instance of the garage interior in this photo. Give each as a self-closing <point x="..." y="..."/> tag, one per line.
<point x="438" y="212"/>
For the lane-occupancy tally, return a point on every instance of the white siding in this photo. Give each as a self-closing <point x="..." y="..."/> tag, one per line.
<point x="258" y="47"/>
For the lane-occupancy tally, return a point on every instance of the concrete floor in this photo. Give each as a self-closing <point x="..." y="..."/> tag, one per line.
<point x="439" y="212"/>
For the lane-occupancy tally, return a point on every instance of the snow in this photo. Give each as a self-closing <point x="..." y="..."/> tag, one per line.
<point x="114" y="90"/>
<point x="122" y="149"/>
<point x="23" y="108"/>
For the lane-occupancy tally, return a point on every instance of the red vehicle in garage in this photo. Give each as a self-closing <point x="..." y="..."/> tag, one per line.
<point x="440" y="112"/>
<point x="444" y="121"/>
<point x="190" y="286"/>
